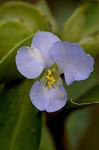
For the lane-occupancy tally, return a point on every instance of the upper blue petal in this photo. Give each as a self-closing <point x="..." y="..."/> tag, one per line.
<point x="72" y="61"/>
<point x="29" y="63"/>
<point x="42" y="42"/>
<point x="48" y="99"/>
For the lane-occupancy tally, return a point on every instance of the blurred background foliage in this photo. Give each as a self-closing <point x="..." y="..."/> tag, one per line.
<point x="22" y="126"/>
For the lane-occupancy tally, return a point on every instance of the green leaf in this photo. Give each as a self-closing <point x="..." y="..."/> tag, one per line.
<point x="91" y="97"/>
<point x="11" y="33"/>
<point x="18" y="20"/>
<point x="91" y="15"/>
<point x="22" y="12"/>
<point x="8" y="70"/>
<point x="83" y="22"/>
<point x="90" y="139"/>
<point x="46" y="136"/>
<point x="82" y="129"/>
<point x="61" y="10"/>
<point x="73" y="27"/>
<point x="20" y="122"/>
<point x="45" y="10"/>
<point x="83" y="27"/>
<point x="91" y="44"/>
<point x="79" y="88"/>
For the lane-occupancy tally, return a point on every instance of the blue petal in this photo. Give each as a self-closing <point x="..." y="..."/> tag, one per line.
<point x="29" y="63"/>
<point x="42" y="42"/>
<point x="47" y="99"/>
<point x="72" y="61"/>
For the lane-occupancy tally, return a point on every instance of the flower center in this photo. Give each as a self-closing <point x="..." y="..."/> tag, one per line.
<point x="50" y="78"/>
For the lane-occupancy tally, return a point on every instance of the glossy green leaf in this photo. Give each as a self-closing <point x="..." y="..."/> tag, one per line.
<point x="20" y="122"/>
<point x="18" y="20"/>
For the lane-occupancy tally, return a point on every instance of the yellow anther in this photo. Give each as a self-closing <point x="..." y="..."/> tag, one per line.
<point x="49" y="72"/>
<point x="47" y="77"/>
<point x="50" y="78"/>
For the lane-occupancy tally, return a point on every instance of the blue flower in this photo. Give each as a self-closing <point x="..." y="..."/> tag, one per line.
<point x="49" y="52"/>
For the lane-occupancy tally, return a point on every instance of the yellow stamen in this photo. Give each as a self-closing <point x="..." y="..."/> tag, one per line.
<point x="49" y="72"/>
<point x="50" y="79"/>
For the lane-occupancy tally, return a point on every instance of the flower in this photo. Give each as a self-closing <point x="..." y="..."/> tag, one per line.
<point x="49" y="52"/>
